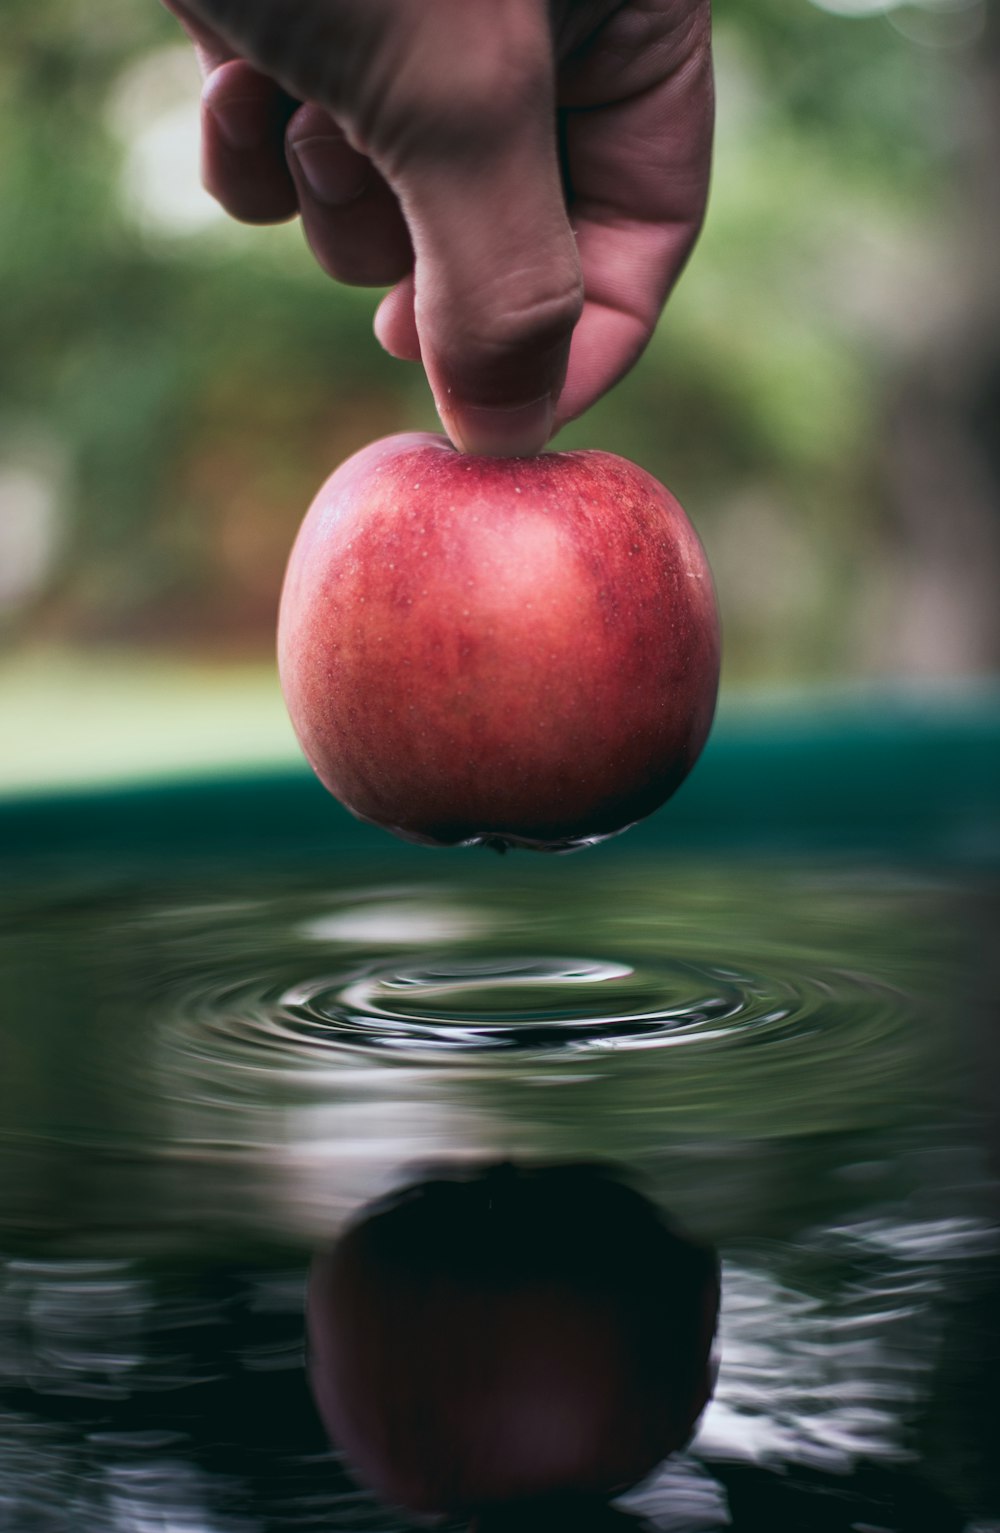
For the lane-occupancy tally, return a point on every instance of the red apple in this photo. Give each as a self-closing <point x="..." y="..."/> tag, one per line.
<point x="518" y="1335"/>
<point x="516" y="651"/>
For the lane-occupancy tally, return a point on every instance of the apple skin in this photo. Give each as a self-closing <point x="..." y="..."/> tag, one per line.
<point x="519" y="1335"/>
<point x="516" y="651"/>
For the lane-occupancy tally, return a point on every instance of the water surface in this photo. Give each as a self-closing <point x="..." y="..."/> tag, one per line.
<point x="204" y="1076"/>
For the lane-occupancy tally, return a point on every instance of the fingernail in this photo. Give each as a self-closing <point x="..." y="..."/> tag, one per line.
<point x="515" y="432"/>
<point x="241" y="122"/>
<point x="334" y="172"/>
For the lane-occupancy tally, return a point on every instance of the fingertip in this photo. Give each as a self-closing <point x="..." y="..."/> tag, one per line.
<point x="519" y="431"/>
<point x="495" y="328"/>
<point x="516" y="431"/>
<point x="395" y="323"/>
<point x="243" y="163"/>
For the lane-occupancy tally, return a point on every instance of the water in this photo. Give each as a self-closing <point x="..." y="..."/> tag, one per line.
<point x="205" y="1076"/>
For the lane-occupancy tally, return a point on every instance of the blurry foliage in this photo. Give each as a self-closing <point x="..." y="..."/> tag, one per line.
<point x="200" y="383"/>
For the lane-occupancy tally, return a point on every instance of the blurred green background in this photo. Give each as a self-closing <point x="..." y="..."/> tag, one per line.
<point x="823" y="394"/>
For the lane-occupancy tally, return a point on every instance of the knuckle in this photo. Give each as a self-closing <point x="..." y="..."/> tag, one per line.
<point x="506" y="330"/>
<point x="539" y="321"/>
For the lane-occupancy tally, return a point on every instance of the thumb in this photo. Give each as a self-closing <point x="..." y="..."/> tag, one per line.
<point x="497" y="279"/>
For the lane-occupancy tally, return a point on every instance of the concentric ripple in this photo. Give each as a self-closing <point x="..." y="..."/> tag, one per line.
<point x="532" y="1005"/>
<point x="524" y="1004"/>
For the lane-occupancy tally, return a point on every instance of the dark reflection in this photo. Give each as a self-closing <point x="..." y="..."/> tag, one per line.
<point x="509" y="1334"/>
<point x="139" y="1397"/>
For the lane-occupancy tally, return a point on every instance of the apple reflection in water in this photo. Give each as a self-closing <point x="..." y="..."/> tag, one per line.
<point x="512" y="1345"/>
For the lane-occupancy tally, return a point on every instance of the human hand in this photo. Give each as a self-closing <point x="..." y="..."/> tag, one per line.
<point x="529" y="175"/>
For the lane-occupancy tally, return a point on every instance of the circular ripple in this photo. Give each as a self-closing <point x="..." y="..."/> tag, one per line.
<point x="525" y="1005"/>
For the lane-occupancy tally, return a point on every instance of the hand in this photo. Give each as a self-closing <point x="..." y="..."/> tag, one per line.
<point x="529" y="174"/>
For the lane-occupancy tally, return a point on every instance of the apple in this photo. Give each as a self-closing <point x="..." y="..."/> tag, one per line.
<point x="516" y="1336"/>
<point x="512" y="651"/>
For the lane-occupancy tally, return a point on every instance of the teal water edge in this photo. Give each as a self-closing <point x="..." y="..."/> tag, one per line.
<point x="232" y="1016"/>
<point x="913" y="779"/>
